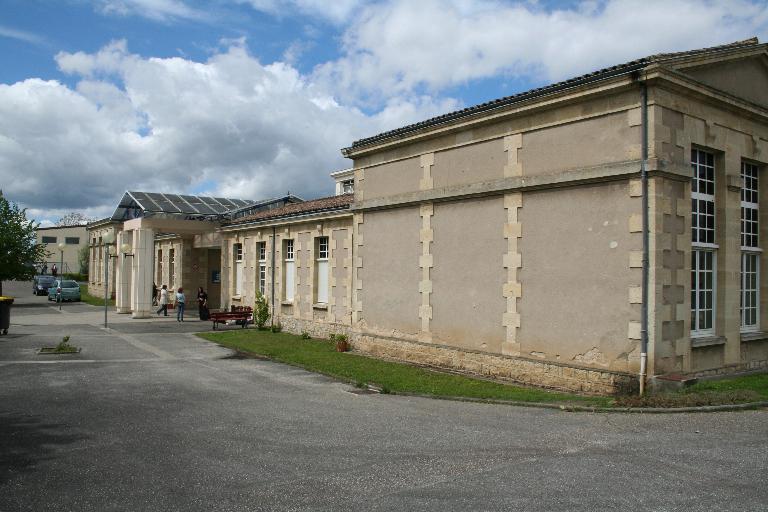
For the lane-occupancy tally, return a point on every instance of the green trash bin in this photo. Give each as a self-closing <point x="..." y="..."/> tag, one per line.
<point x="5" y="313"/>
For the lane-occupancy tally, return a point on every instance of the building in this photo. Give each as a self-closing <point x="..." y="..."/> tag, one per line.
<point x="580" y="236"/>
<point x="63" y="243"/>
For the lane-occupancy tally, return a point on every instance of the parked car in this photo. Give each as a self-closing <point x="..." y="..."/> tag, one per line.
<point x="69" y="290"/>
<point x="41" y="284"/>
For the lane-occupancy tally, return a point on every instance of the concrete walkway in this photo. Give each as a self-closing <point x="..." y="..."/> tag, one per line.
<point x="148" y="417"/>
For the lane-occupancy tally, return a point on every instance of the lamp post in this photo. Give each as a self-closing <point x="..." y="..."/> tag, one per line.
<point x="107" y="240"/>
<point x="61" y="272"/>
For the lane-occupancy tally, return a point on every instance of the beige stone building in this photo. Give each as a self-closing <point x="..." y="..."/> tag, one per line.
<point x="507" y="238"/>
<point x="62" y="242"/>
<point x="578" y="236"/>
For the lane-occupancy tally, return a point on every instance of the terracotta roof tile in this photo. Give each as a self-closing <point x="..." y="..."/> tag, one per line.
<point x="341" y="202"/>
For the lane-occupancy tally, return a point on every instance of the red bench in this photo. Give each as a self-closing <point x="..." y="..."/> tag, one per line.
<point x="239" y="314"/>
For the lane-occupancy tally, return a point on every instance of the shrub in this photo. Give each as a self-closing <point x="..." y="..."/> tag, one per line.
<point x="75" y="276"/>
<point x="305" y="335"/>
<point x="260" y="310"/>
<point x="332" y="337"/>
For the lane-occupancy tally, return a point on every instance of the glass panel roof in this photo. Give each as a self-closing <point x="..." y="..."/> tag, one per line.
<point x="136" y="204"/>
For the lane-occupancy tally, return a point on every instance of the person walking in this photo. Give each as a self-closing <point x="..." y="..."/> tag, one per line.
<point x="202" y="303"/>
<point x="180" y="303"/>
<point x="154" y="294"/>
<point x="163" y="301"/>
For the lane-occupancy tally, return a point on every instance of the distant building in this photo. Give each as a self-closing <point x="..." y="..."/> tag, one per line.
<point x="74" y="238"/>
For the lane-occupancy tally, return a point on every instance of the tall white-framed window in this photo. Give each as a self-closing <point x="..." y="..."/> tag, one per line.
<point x="237" y="251"/>
<point x="704" y="248"/>
<point x="172" y="268"/>
<point x="261" y="248"/>
<point x="321" y="269"/>
<point x="159" y="270"/>
<point x="750" y="248"/>
<point x="289" y="270"/>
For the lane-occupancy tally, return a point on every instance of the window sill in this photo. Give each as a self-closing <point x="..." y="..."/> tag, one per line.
<point x="707" y="341"/>
<point x="286" y="303"/>
<point x="702" y="245"/>
<point x="320" y="305"/>
<point x="754" y="336"/>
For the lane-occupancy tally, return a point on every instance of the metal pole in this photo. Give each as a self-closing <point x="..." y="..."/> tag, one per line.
<point x="61" y="273"/>
<point x="646" y="249"/>
<point x="106" y="282"/>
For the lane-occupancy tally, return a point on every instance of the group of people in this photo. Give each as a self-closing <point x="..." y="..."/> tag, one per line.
<point x="54" y="269"/>
<point x="160" y="298"/>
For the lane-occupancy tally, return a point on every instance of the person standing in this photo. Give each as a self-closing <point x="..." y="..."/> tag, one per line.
<point x="54" y="270"/>
<point x="180" y="303"/>
<point x="163" y="301"/>
<point x="202" y="303"/>
<point x="154" y="294"/>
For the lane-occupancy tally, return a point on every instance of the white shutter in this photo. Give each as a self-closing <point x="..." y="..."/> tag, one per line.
<point x="239" y="277"/>
<point x="290" y="269"/>
<point x="322" y="282"/>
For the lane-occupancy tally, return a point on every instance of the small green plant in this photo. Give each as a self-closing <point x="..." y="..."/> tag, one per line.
<point x="260" y="310"/>
<point x="342" y="337"/>
<point x="332" y="337"/>
<point x="278" y="327"/>
<point x="305" y="335"/>
<point x="64" y="346"/>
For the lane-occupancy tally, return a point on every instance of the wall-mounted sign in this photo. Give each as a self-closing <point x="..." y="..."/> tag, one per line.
<point x="215" y="276"/>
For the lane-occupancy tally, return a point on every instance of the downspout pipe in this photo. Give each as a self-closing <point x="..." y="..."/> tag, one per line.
<point x="274" y="243"/>
<point x="646" y="248"/>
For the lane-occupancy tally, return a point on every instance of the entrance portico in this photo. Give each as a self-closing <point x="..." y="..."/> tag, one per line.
<point x="135" y="263"/>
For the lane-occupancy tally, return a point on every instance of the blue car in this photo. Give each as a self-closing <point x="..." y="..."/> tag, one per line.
<point x="41" y="284"/>
<point x="68" y="290"/>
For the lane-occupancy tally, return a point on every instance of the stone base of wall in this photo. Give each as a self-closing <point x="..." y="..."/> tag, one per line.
<point x="516" y="369"/>
<point x="315" y="329"/>
<point x="733" y="369"/>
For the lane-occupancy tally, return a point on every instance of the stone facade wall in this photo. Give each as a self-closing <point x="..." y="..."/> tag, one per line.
<point x="527" y="371"/>
<point x="96" y="261"/>
<point x="678" y="126"/>
<point x="303" y="312"/>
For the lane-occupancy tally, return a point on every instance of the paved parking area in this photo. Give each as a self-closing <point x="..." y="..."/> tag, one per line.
<point x="149" y="417"/>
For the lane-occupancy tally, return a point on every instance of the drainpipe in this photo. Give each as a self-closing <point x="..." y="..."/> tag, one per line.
<point x="644" y="286"/>
<point x="274" y="242"/>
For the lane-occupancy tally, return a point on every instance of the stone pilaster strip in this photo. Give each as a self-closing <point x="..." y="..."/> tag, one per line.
<point x="357" y="265"/>
<point x="512" y="262"/>
<point x="512" y="143"/>
<point x="427" y="161"/>
<point x="426" y="262"/>
<point x="333" y="260"/>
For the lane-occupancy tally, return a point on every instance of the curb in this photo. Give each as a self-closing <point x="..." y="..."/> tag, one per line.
<point x="586" y="408"/>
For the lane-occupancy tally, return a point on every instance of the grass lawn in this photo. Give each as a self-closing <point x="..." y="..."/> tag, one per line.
<point x="90" y="299"/>
<point x="748" y="388"/>
<point x="320" y="356"/>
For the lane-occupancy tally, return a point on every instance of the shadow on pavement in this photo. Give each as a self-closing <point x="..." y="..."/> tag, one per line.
<point x="25" y="441"/>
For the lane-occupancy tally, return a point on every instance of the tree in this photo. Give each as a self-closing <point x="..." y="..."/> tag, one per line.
<point x="19" y="249"/>
<point x="82" y="258"/>
<point x="73" y="219"/>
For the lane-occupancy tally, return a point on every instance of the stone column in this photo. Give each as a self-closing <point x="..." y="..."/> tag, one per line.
<point x="123" y="273"/>
<point x="141" y="300"/>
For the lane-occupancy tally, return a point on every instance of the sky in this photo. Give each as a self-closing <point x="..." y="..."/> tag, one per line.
<point x="253" y="99"/>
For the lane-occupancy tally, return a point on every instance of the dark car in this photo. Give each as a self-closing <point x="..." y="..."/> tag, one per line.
<point x="40" y="284"/>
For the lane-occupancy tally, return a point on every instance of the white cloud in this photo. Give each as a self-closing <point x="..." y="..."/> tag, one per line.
<point x="175" y="125"/>
<point x="159" y="10"/>
<point x="401" y="46"/>
<point x="21" y="35"/>
<point x="336" y="11"/>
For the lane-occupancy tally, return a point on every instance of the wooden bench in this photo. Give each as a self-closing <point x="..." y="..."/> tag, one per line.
<point x="239" y="314"/>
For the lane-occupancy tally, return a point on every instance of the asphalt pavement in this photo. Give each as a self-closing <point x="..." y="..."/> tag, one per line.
<point x="149" y="417"/>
